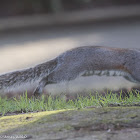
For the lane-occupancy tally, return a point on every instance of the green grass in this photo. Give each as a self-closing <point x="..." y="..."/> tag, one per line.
<point x="25" y="104"/>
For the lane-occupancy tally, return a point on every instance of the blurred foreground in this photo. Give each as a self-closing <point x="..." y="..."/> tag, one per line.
<point x="108" y="123"/>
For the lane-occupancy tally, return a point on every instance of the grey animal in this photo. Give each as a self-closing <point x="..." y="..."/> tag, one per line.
<point x="81" y="61"/>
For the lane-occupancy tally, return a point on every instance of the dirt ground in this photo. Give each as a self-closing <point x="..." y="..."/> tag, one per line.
<point x="112" y="123"/>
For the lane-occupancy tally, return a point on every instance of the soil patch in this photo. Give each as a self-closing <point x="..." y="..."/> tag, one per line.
<point x="110" y="123"/>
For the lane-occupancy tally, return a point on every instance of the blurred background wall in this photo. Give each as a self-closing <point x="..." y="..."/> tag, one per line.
<point x="33" y="31"/>
<point x="35" y="7"/>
